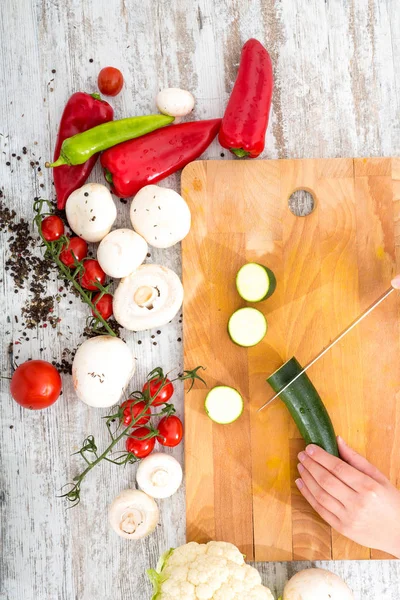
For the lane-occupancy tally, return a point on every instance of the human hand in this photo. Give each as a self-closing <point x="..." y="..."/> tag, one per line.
<point x="352" y="495"/>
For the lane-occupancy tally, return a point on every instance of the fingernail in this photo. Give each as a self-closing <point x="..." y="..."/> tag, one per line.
<point x="301" y="456"/>
<point x="341" y="440"/>
<point x="300" y="468"/>
<point x="310" y="449"/>
<point x="396" y="282"/>
<point x="299" y="483"/>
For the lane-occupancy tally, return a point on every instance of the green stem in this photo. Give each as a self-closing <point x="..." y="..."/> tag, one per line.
<point x="55" y="255"/>
<point x="239" y="152"/>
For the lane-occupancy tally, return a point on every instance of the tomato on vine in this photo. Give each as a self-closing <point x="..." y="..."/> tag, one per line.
<point x="104" y="306"/>
<point x="75" y="251"/>
<point x="159" y="388"/>
<point x="92" y="274"/>
<point x="52" y="228"/>
<point x="170" y="431"/>
<point x="138" y="444"/>
<point x="132" y="409"/>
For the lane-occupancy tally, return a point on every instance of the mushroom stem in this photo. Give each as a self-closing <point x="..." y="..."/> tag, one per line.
<point x="159" y="477"/>
<point x="131" y="519"/>
<point x="145" y="296"/>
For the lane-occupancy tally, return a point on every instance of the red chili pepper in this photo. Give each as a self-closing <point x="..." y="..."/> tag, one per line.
<point x="246" y="117"/>
<point x="132" y="165"/>
<point x="82" y="112"/>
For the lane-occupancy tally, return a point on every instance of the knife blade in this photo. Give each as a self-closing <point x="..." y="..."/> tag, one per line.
<point x="335" y="341"/>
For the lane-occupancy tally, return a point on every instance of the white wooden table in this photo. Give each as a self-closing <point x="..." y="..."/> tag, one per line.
<point x="337" y="94"/>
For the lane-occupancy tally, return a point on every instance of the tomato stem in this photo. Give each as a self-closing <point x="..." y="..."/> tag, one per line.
<point x="55" y="249"/>
<point x="89" y="445"/>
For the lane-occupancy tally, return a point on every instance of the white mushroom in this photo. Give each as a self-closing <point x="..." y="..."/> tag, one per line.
<point x="175" y="102"/>
<point x="133" y="514"/>
<point x="159" y="475"/>
<point x="121" y="252"/>
<point x="160" y="215"/>
<point x="149" y="297"/>
<point x="316" y="584"/>
<point x="91" y="212"/>
<point x="101" y="370"/>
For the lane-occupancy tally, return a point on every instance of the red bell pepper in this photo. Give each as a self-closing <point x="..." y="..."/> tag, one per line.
<point x="133" y="164"/>
<point x="82" y="112"/>
<point x="245" y="121"/>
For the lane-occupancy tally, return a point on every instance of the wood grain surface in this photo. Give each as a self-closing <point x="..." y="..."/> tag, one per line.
<point x="329" y="265"/>
<point x="337" y="94"/>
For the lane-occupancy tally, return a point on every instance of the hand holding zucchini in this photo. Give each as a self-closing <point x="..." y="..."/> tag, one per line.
<point x="305" y="406"/>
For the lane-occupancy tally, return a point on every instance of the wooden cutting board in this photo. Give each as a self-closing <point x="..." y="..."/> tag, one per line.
<point x="330" y="266"/>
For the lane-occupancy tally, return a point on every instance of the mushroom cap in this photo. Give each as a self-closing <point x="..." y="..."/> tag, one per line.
<point x="160" y="215"/>
<point x="91" y="212"/>
<point x="133" y="514"/>
<point x="149" y="297"/>
<point x="316" y="584"/>
<point x="159" y="475"/>
<point x="121" y="251"/>
<point x="101" y="370"/>
<point x="175" y="102"/>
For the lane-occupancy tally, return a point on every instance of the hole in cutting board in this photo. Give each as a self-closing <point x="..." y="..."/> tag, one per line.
<point x="301" y="203"/>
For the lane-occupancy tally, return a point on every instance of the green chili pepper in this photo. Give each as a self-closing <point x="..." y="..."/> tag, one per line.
<point x="77" y="149"/>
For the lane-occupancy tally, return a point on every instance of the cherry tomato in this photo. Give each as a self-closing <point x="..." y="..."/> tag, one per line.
<point x="140" y="447"/>
<point x="170" y="431"/>
<point x="35" y="384"/>
<point x="110" y="81"/>
<point x="92" y="273"/>
<point x="132" y="410"/>
<point x="76" y="247"/>
<point x="52" y="228"/>
<point x="163" y="395"/>
<point x="104" y="305"/>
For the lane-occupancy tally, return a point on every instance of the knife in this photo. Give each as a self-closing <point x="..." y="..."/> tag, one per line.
<point x="335" y="341"/>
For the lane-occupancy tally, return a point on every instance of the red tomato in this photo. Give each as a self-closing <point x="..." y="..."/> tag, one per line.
<point x="140" y="447"/>
<point x="52" y="228"/>
<point x="170" y="431"/>
<point x="131" y="411"/>
<point x="76" y="247"/>
<point x="35" y="384"/>
<point x="92" y="273"/>
<point x="163" y="395"/>
<point x="110" y="81"/>
<point x="104" y="305"/>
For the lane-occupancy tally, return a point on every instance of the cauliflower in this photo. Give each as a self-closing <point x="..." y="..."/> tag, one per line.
<point x="213" y="571"/>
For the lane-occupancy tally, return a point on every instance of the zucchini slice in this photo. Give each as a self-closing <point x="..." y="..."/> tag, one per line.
<point x="223" y="404"/>
<point x="255" y="283"/>
<point x="305" y="406"/>
<point x="247" y="326"/>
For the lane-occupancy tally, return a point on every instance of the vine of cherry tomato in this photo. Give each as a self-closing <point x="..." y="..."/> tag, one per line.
<point x="137" y="445"/>
<point x="92" y="273"/>
<point x="35" y="384"/>
<point x="110" y="81"/>
<point x="159" y="389"/>
<point x="131" y="410"/>
<point x="170" y="431"/>
<point x="52" y="228"/>
<point x="104" y="306"/>
<point x="75" y="250"/>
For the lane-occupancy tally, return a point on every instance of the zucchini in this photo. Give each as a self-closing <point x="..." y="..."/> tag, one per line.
<point x="223" y="404"/>
<point x="305" y="406"/>
<point x="255" y="283"/>
<point x="247" y="326"/>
